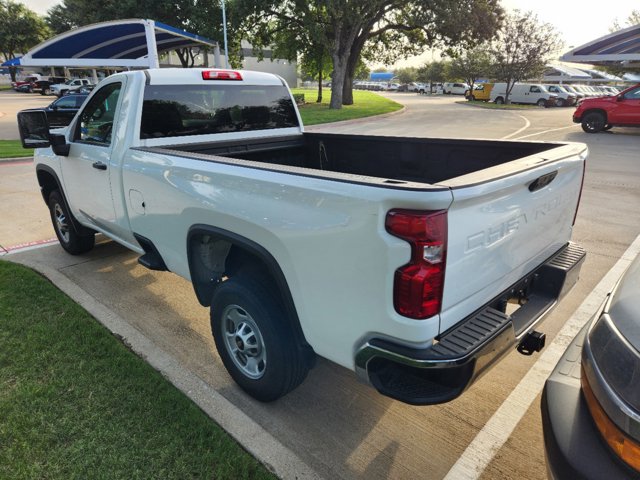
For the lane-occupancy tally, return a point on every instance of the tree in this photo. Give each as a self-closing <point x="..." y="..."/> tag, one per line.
<point x="316" y="64"/>
<point x="400" y="26"/>
<point x="20" y="30"/>
<point x="406" y="75"/>
<point x="472" y="65"/>
<point x="632" y="19"/>
<point x="521" y="48"/>
<point x="434" y="72"/>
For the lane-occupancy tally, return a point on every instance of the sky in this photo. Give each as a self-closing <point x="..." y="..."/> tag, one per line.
<point x="576" y="23"/>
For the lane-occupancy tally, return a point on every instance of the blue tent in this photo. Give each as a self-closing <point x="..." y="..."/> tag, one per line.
<point x="14" y="62"/>
<point x="381" y="76"/>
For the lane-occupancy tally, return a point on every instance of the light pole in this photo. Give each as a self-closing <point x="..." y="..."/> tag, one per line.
<point x="224" y="32"/>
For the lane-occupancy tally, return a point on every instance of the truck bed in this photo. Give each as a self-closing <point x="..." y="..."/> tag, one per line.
<point x="394" y="159"/>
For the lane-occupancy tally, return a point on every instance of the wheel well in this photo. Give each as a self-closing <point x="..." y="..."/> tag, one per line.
<point x="215" y="254"/>
<point x="48" y="184"/>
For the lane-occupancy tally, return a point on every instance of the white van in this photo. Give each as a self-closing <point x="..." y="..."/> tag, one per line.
<point x="454" y="88"/>
<point x="527" y="93"/>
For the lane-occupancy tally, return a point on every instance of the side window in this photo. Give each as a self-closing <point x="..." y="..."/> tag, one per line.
<point x="66" y="102"/>
<point x="633" y="94"/>
<point x="534" y="90"/>
<point x="96" y="119"/>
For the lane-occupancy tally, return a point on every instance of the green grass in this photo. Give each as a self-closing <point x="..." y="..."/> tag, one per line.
<point x="365" y="104"/>
<point x="5" y="87"/>
<point x="76" y="403"/>
<point x="495" y="106"/>
<point x="13" y="149"/>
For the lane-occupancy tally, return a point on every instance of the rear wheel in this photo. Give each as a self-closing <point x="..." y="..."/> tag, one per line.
<point x="593" y="122"/>
<point x="541" y="103"/>
<point x="69" y="239"/>
<point x="499" y="100"/>
<point x="560" y="102"/>
<point x="253" y="338"/>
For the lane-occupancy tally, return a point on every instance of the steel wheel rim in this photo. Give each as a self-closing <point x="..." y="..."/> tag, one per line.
<point x="61" y="222"/>
<point x="243" y="341"/>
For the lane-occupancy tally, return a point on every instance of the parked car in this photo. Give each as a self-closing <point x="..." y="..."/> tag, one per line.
<point x="416" y="87"/>
<point x="579" y="95"/>
<point x="525" y="93"/>
<point x="44" y="86"/>
<point x="481" y="92"/>
<point x="564" y="97"/>
<point x="591" y="401"/>
<point x="61" y="111"/>
<point x="85" y="89"/>
<point x="454" y="88"/>
<point x="60" y="88"/>
<point x="25" y="83"/>
<point x="603" y="113"/>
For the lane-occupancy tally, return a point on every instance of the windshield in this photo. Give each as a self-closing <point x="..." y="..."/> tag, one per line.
<point x="181" y="110"/>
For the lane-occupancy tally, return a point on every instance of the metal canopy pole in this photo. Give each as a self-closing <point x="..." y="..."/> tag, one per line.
<point x="224" y="32"/>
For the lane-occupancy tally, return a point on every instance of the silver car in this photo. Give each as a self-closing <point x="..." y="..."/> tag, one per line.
<point x="591" y="401"/>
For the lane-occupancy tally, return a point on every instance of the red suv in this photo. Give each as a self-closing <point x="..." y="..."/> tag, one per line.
<point x="602" y="113"/>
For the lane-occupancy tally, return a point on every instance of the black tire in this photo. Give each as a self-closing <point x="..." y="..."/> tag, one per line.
<point x="69" y="239"/>
<point x="560" y="102"/>
<point x="499" y="100"/>
<point x="593" y="122"/>
<point x="254" y="341"/>
<point x="541" y="103"/>
<point x="607" y="127"/>
<point x="472" y="98"/>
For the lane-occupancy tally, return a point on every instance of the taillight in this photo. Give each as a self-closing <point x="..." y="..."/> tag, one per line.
<point x="418" y="285"/>
<point x="221" y="75"/>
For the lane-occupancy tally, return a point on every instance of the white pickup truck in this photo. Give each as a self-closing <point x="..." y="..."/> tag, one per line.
<point x="415" y="262"/>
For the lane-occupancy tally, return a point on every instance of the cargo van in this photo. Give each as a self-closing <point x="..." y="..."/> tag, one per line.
<point x="450" y="88"/>
<point x="526" y="93"/>
<point x="481" y="92"/>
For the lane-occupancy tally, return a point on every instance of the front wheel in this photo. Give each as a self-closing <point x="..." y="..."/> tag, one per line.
<point x="541" y="103"/>
<point x="69" y="239"/>
<point x="499" y="100"/>
<point x="255" y="342"/>
<point x="593" y="122"/>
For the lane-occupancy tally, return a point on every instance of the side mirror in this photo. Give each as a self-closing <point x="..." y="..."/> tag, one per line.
<point x="34" y="132"/>
<point x="34" y="129"/>
<point x="619" y="98"/>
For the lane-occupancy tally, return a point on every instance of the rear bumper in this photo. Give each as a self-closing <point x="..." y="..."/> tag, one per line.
<point x="573" y="446"/>
<point x="442" y="372"/>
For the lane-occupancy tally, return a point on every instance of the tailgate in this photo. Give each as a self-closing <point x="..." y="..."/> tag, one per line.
<point x="504" y="222"/>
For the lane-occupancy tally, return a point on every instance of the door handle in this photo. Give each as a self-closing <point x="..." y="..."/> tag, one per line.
<point x="99" y="166"/>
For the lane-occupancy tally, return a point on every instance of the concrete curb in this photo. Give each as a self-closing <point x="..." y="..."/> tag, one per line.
<point x="16" y="159"/>
<point x="255" y="439"/>
<point x="355" y="120"/>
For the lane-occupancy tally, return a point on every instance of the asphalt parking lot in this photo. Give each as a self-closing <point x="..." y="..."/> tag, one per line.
<point x="332" y="425"/>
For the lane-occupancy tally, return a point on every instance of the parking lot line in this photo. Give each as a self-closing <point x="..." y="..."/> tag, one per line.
<point x="500" y="426"/>
<point x="527" y="124"/>
<point x="546" y="131"/>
